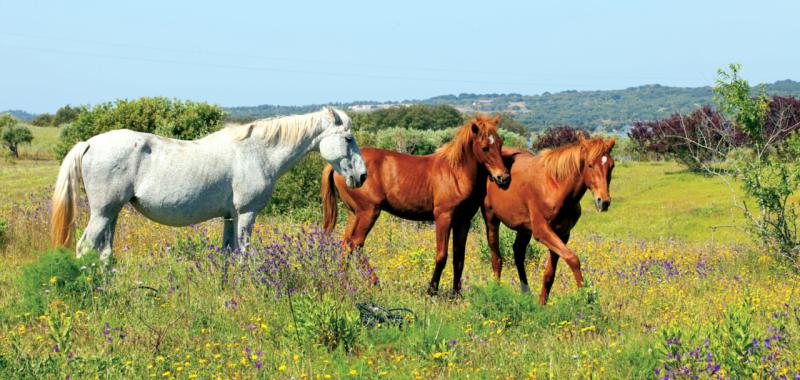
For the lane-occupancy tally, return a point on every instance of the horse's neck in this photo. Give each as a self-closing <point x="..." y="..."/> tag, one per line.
<point x="285" y="157"/>
<point x="467" y="171"/>
<point x="574" y="189"/>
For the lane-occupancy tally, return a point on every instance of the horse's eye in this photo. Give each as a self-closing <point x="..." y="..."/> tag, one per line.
<point x="590" y="166"/>
<point x="485" y="149"/>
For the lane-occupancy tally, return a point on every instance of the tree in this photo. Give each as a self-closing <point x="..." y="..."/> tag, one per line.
<point x="43" y="120"/>
<point x="14" y="135"/>
<point x="171" y="118"/>
<point x="555" y="137"/>
<point x="415" y="116"/>
<point x="67" y="114"/>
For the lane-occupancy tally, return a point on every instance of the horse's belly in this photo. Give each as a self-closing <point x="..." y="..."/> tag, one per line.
<point x="178" y="213"/>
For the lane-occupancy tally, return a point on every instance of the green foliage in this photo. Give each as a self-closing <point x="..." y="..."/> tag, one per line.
<point x="184" y="120"/>
<point x="58" y="274"/>
<point x="328" y="322"/>
<point x="415" y="116"/>
<point x="43" y="120"/>
<point x="12" y="134"/>
<point x="771" y="184"/>
<point x="732" y="95"/>
<point x="67" y="114"/>
<point x="766" y="178"/>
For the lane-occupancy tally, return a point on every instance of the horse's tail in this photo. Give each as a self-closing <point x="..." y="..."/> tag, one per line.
<point x="329" y="207"/>
<point x="65" y="196"/>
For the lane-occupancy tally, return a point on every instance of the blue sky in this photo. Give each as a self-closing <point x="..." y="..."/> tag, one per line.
<point x="296" y="52"/>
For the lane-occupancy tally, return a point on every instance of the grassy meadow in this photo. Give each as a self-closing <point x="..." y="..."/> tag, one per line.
<point x="668" y="295"/>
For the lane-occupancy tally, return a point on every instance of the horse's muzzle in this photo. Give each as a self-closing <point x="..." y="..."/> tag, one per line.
<point x="502" y="180"/>
<point x="357" y="181"/>
<point x="602" y="205"/>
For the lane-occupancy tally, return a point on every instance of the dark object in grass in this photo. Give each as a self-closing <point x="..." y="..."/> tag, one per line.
<point x="373" y="315"/>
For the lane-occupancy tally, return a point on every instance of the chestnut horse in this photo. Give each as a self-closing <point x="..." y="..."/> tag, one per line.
<point x="543" y="200"/>
<point x="447" y="187"/>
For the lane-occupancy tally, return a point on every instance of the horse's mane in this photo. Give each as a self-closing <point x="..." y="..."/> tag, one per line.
<point x="457" y="149"/>
<point x="567" y="161"/>
<point x="289" y="130"/>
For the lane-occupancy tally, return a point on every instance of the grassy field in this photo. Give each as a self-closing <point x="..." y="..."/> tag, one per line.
<point x="668" y="295"/>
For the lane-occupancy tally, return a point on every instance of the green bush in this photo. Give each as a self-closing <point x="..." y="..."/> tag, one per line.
<point x="171" y="118"/>
<point x="57" y="274"/>
<point x="328" y="322"/>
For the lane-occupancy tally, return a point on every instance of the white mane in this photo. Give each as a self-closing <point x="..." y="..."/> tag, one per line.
<point x="289" y="130"/>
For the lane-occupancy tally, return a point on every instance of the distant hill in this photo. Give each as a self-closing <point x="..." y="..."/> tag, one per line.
<point x="20" y="115"/>
<point x="609" y="109"/>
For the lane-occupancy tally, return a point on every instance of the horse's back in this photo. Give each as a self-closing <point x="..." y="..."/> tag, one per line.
<point x="398" y="183"/>
<point x="163" y="178"/>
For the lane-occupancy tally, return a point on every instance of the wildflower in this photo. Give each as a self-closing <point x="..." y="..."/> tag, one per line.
<point x="353" y="372"/>
<point x="53" y="280"/>
<point x="282" y="367"/>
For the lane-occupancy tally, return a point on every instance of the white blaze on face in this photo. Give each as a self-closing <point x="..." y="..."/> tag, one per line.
<point x="491" y="139"/>
<point x="603" y="160"/>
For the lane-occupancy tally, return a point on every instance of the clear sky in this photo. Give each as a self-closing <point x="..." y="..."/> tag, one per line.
<point x="294" y="52"/>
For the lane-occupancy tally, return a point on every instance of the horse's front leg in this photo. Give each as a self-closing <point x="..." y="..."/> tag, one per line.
<point x="244" y="231"/>
<point x="460" y="232"/>
<point x="545" y="234"/>
<point x="443" y="224"/>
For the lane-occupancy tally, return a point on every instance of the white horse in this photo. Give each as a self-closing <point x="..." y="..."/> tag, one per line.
<point x="230" y="174"/>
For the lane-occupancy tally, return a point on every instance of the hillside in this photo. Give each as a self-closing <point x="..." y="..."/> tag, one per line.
<point x="608" y="109"/>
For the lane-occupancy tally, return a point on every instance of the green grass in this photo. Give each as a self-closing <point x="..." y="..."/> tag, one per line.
<point x="41" y="148"/>
<point x="650" y="270"/>
<point x="662" y="200"/>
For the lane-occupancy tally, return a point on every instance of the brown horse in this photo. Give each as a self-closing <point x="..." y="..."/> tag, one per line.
<point x="447" y="187"/>
<point x="543" y="200"/>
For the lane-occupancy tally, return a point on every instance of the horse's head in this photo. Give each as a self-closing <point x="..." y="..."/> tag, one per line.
<point x="338" y="147"/>
<point x="597" y="169"/>
<point x="486" y="146"/>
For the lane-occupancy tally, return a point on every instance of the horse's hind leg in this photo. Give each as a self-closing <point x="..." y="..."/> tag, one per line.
<point x="443" y="225"/>
<point x="228" y="234"/>
<point x="493" y="240"/>
<point x="362" y="224"/>
<point x="520" y="248"/>
<point x="99" y="233"/>
<point x="548" y="277"/>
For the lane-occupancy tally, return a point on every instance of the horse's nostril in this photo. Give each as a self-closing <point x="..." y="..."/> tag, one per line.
<point x="363" y="177"/>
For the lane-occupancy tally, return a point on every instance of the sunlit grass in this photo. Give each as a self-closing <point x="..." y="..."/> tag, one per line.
<point x="650" y="261"/>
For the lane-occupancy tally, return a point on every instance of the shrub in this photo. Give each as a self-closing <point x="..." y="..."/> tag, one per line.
<point x="58" y="274"/>
<point x="171" y="118"/>
<point x="328" y="322"/>
<point x="691" y="140"/>
<point x="555" y="137"/>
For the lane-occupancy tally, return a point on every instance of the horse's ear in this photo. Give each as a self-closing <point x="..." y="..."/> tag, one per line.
<point x="581" y="137"/>
<point x="610" y="143"/>
<point x="496" y="119"/>
<point x="336" y="119"/>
